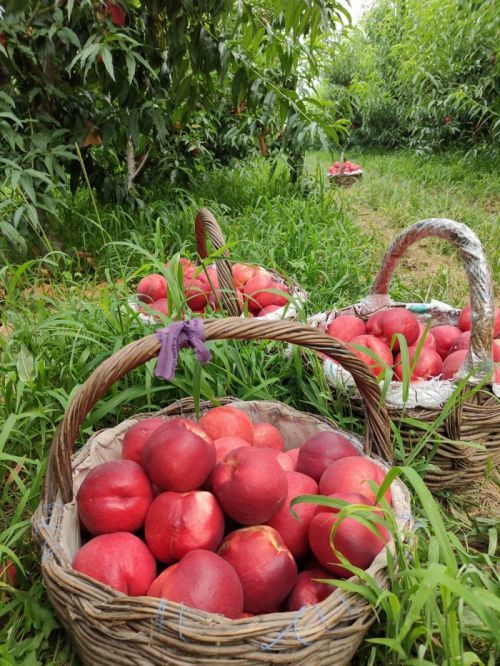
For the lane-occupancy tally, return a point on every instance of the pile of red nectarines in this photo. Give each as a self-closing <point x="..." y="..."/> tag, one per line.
<point x="199" y="513"/>
<point x="442" y="354"/>
<point x="257" y="290"/>
<point x="347" y="168"/>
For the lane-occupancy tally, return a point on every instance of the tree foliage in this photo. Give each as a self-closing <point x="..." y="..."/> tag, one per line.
<point x="150" y="88"/>
<point x="420" y="74"/>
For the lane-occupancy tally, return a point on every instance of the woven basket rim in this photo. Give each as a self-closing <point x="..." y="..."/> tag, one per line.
<point x="404" y="520"/>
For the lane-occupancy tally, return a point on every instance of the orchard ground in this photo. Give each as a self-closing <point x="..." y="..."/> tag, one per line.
<point x="66" y="312"/>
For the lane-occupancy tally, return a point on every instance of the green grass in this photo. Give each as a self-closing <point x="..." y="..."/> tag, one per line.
<point x="68" y="313"/>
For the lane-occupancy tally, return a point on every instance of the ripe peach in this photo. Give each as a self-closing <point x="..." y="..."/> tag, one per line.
<point x="307" y="590"/>
<point x="264" y="565"/>
<point x="268" y="309"/>
<point x="396" y="320"/>
<point x="372" y="322"/>
<point x="351" y="498"/>
<point x="429" y="364"/>
<point x="453" y="363"/>
<point x="293" y="454"/>
<point x="192" y="426"/>
<point x="464" y="321"/>
<point x="378" y="347"/>
<point x="114" y="497"/>
<point x="495" y="350"/>
<point x="202" y="580"/>
<point x="353" y="540"/>
<point x="159" y="307"/>
<point x="462" y="341"/>
<point x="346" y="327"/>
<point x="320" y="450"/>
<point x="352" y="475"/>
<point x="256" y="292"/>
<point x="242" y="273"/>
<point x="250" y="485"/>
<point x="177" y="459"/>
<point x="429" y="341"/>
<point x="196" y="292"/>
<point x="281" y="458"/>
<point x="120" y="560"/>
<point x="116" y="14"/>
<point x="227" y="421"/>
<point x="444" y="337"/>
<point x="152" y="288"/>
<point x="8" y="571"/>
<point x="224" y="445"/>
<point x="179" y="522"/>
<point x="136" y="437"/>
<point x="187" y="267"/>
<point x="293" y="531"/>
<point x="265" y="434"/>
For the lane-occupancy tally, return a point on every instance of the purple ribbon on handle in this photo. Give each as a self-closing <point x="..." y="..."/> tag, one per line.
<point x="177" y="336"/>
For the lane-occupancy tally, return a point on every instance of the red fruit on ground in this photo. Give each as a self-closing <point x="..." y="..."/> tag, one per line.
<point x="308" y="591"/>
<point x="346" y="327"/>
<point x="444" y="337"/>
<point x="8" y="571"/>
<point x="201" y="580"/>
<point x="293" y="531"/>
<point x="378" y="347"/>
<point x="321" y="450"/>
<point x="464" y="321"/>
<point x="159" y="307"/>
<point x="453" y="363"/>
<point x="177" y="523"/>
<point x="429" y="341"/>
<point x="352" y="475"/>
<point x="175" y="458"/>
<point x="495" y="350"/>
<point x="227" y="421"/>
<point x="353" y="540"/>
<point x="258" y="296"/>
<point x="120" y="560"/>
<point x="293" y="454"/>
<point x="224" y="445"/>
<point x="250" y="485"/>
<point x="136" y="437"/>
<point x="152" y="288"/>
<point x="264" y="565"/>
<point x="394" y="321"/>
<point x="114" y="497"/>
<point x="429" y="364"/>
<point x="267" y="435"/>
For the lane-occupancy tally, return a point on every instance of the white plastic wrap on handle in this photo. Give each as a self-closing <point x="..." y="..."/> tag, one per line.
<point x="480" y="286"/>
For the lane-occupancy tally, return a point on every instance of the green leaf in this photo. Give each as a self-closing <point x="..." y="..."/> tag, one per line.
<point x="131" y="65"/>
<point x="25" y="365"/>
<point x="107" y="59"/>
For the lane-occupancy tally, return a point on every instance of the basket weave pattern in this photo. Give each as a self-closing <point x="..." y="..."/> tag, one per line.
<point x="475" y="419"/>
<point x="206" y="225"/>
<point x="109" y="627"/>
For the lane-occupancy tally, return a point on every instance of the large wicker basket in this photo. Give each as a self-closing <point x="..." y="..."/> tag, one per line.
<point x="108" y="627"/>
<point x="469" y="437"/>
<point x="206" y="225"/>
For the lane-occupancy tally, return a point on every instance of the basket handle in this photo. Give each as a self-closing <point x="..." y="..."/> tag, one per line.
<point x="378" y="432"/>
<point x="205" y="223"/>
<point x="478" y="275"/>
